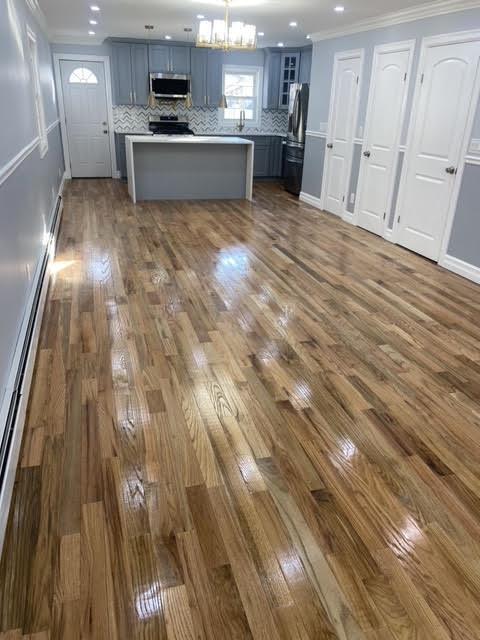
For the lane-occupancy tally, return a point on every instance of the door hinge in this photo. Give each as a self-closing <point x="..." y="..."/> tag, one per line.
<point x="422" y="77"/>
<point x="343" y="199"/>
<point x="398" y="219"/>
<point x="357" y="79"/>
<point x="384" y="215"/>
<point x="405" y="77"/>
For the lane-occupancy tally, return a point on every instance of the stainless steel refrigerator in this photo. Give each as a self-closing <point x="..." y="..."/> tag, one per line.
<point x="294" y="148"/>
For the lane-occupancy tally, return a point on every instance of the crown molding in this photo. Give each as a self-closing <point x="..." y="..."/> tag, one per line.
<point x="38" y="13"/>
<point x="427" y="10"/>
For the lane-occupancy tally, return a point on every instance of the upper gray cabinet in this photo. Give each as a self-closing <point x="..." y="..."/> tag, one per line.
<point x="214" y="77"/>
<point x="206" y="77"/>
<point x="289" y="74"/>
<point x="169" y="59"/>
<point x="305" y="65"/>
<point x="130" y="73"/>
<point x="271" y="79"/>
<point x="199" y="60"/>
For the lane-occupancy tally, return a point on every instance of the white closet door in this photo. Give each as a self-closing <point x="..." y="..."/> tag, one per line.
<point x="443" y="102"/>
<point x="384" y="121"/>
<point x="341" y="130"/>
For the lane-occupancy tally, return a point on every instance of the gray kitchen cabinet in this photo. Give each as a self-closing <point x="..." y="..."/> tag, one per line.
<point x="130" y="73"/>
<point x="140" y="78"/>
<point x="261" y="157"/>
<point x="169" y="59"/>
<point x="289" y="74"/>
<point x="121" y="154"/>
<point x="271" y="79"/>
<point x="214" y="77"/>
<point x="276" y="153"/>
<point x="267" y="156"/>
<point x="159" y="58"/>
<point x="199" y="62"/>
<point x="180" y="60"/>
<point x="122" y="73"/>
<point x="305" y="65"/>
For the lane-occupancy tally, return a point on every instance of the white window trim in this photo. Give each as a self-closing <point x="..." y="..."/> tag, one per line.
<point x="37" y="88"/>
<point x="234" y="68"/>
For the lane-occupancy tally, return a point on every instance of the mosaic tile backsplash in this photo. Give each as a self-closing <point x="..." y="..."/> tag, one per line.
<point x="203" y="120"/>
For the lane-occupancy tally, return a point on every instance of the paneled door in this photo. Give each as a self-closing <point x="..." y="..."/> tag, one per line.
<point x="383" y="128"/>
<point x="341" y="129"/>
<point x="85" y="104"/>
<point x="444" y="104"/>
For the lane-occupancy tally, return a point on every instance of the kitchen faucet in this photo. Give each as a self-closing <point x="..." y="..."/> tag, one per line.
<point x="241" y="124"/>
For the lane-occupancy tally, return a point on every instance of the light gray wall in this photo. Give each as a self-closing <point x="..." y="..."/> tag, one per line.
<point x="321" y="82"/>
<point x="313" y="165"/>
<point x="465" y="236"/>
<point x="27" y="195"/>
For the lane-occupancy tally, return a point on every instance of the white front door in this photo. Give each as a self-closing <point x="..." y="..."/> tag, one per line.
<point x="86" y="114"/>
<point x="385" y="114"/>
<point x="443" y="102"/>
<point x="341" y="130"/>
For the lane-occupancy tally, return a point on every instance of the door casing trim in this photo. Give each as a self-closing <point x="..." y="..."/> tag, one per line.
<point x="70" y="57"/>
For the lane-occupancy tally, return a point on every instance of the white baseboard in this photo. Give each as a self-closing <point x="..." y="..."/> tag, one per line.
<point x="388" y="235"/>
<point x="461" y="268"/>
<point x="349" y="217"/>
<point x="313" y="200"/>
<point x="6" y="489"/>
<point x="117" y="175"/>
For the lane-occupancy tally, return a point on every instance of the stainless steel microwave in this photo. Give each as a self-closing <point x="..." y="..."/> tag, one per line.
<point x="173" y="86"/>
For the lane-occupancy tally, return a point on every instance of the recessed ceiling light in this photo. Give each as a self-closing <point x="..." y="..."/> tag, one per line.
<point x="91" y="33"/>
<point x="200" y="16"/>
<point x="293" y="24"/>
<point x="94" y="7"/>
<point x="261" y="33"/>
<point x="280" y="44"/>
<point x="93" y="22"/>
<point x="168" y="37"/>
<point x="339" y="9"/>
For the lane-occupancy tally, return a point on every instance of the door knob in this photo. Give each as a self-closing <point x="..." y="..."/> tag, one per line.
<point x="329" y="145"/>
<point x="367" y="154"/>
<point x="451" y="170"/>
<point x="104" y="124"/>
<point x="105" y="131"/>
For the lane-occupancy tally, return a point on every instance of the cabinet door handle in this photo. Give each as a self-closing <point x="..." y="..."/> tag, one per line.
<point x="329" y="145"/>
<point x="451" y="170"/>
<point x="367" y="154"/>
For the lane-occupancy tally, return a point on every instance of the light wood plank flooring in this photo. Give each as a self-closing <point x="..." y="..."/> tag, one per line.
<point x="246" y="422"/>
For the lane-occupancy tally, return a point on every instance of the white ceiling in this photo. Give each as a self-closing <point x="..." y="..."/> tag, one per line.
<point x="68" y="19"/>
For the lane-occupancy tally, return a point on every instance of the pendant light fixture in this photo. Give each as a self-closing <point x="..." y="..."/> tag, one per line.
<point x="152" y="101"/>
<point x="221" y="34"/>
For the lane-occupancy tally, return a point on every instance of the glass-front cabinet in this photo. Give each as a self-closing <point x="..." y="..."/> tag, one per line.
<point x="288" y="75"/>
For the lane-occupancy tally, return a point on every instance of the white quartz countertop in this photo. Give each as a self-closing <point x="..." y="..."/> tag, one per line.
<point x="229" y="140"/>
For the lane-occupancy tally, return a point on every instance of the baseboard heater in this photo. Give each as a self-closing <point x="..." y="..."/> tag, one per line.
<point x="17" y="394"/>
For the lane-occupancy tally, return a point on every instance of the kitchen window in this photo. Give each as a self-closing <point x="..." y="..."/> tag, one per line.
<point x="242" y="87"/>
<point x="37" y="89"/>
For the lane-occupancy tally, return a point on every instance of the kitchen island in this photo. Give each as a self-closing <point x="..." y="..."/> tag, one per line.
<point x="189" y="167"/>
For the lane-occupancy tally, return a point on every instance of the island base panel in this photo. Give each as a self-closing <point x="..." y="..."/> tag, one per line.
<point x="190" y="172"/>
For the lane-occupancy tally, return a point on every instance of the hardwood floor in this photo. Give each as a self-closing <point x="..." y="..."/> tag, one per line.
<point x="246" y="422"/>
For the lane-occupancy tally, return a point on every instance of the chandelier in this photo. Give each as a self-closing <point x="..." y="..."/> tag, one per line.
<point x="220" y="34"/>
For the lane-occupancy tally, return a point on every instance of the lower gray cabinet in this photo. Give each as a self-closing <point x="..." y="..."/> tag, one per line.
<point x="267" y="158"/>
<point x="121" y="154"/>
